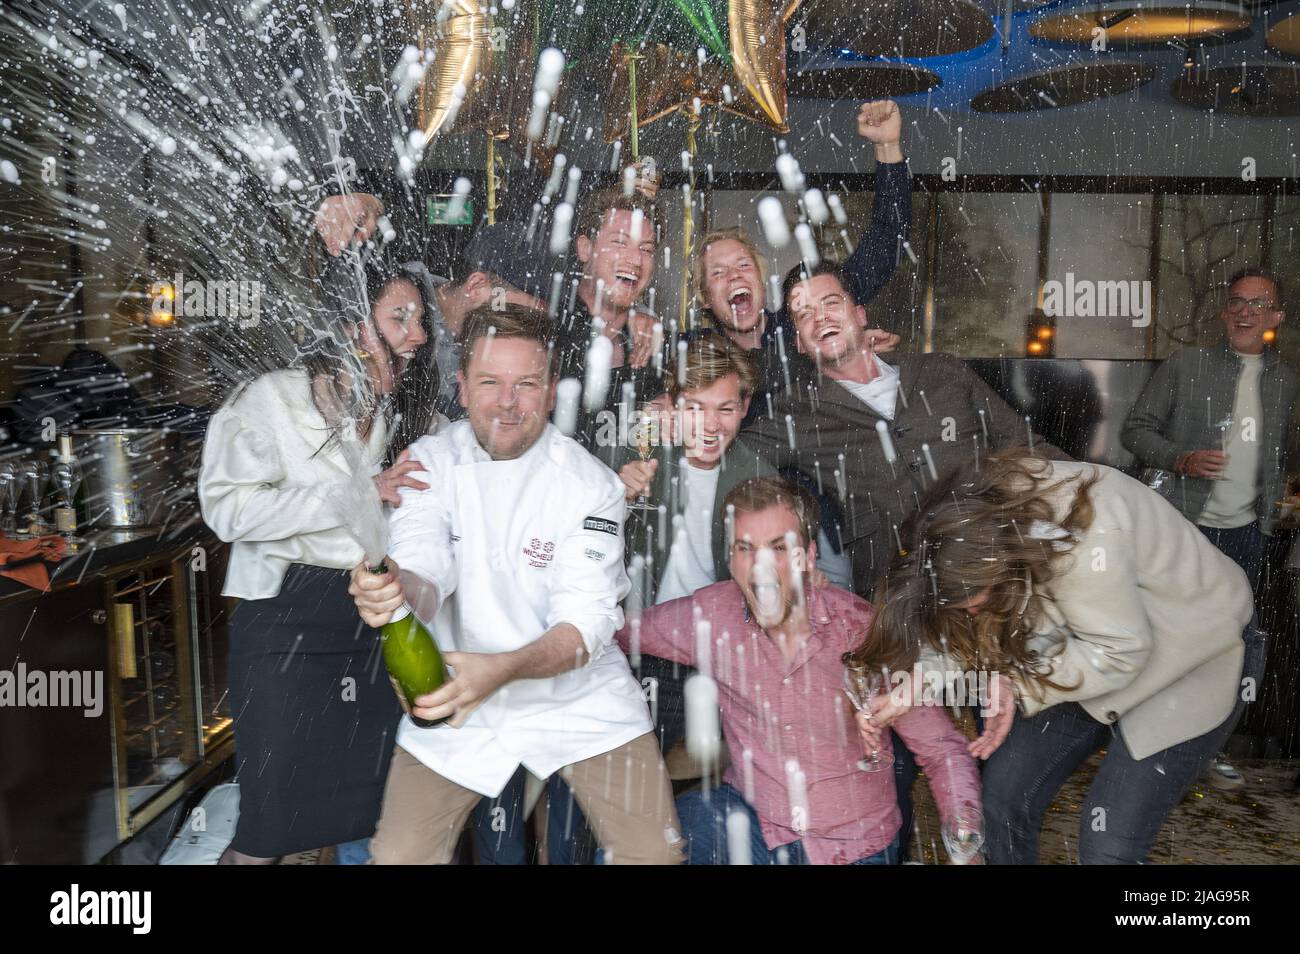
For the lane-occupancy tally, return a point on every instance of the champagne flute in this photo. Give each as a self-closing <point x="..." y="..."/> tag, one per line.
<point x="39" y="481"/>
<point x="30" y="523"/>
<point x="645" y="438"/>
<point x="1224" y="427"/>
<point x="860" y="685"/>
<point x="67" y="477"/>
<point x="963" y="833"/>
<point x="8" y="497"/>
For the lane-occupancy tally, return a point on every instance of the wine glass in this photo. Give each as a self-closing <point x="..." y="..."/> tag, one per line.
<point x="8" y="497"/>
<point x="644" y="436"/>
<point x="963" y="833"/>
<point x="860" y="685"/>
<point x="67" y="478"/>
<point x="30" y="482"/>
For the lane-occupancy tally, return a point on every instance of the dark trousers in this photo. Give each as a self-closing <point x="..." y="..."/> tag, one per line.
<point x="1129" y="799"/>
<point x="905" y="772"/>
<point x="1244" y="545"/>
<point x="498" y="826"/>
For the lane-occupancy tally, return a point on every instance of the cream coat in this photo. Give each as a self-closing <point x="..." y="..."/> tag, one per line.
<point x="1144" y="618"/>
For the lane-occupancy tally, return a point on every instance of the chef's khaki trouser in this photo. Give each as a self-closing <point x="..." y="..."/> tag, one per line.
<point x="624" y="793"/>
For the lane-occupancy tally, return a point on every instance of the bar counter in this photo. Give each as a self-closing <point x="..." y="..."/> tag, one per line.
<point x="116" y="702"/>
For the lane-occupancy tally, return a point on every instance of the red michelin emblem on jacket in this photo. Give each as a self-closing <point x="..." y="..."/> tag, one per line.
<point x="538" y="553"/>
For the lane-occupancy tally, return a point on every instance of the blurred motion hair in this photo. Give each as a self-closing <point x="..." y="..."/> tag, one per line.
<point x="972" y="532"/>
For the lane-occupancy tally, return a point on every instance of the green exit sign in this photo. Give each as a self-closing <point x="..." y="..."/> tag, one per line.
<point x="440" y="205"/>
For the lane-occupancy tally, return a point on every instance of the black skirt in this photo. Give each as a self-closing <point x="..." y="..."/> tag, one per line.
<point x="315" y="717"/>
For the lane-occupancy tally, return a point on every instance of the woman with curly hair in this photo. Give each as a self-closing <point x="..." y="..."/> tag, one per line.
<point x="1116" y="623"/>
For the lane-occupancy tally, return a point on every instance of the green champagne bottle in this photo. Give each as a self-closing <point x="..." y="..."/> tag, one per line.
<point x="412" y="657"/>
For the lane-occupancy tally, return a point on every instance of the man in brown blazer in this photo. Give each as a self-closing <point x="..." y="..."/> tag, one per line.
<point x="848" y="411"/>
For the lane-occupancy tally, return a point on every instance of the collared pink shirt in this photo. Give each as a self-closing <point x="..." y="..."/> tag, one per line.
<point x="793" y="742"/>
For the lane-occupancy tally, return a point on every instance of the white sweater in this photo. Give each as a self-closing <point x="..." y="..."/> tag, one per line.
<point x="268" y="488"/>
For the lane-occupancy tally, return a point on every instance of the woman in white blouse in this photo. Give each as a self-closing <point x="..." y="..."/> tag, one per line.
<point x="314" y="711"/>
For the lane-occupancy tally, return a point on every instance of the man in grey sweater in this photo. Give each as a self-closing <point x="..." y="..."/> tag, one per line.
<point x="1211" y="429"/>
<point x="1214" y="421"/>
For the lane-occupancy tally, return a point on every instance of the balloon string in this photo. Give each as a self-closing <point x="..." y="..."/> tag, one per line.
<point x="633" y="118"/>
<point x="688" y="227"/>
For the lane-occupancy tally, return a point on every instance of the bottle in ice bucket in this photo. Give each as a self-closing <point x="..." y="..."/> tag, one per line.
<point x="412" y="657"/>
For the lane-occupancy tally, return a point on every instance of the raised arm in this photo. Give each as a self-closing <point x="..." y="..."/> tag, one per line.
<point x="878" y="249"/>
<point x="344" y="219"/>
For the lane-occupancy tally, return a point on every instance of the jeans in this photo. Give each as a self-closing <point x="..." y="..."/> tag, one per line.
<point x="1129" y="799"/>
<point x="499" y="830"/>
<point x="352" y="852"/>
<point x="905" y="772"/>
<point x="1244" y="545"/>
<point x="704" y="824"/>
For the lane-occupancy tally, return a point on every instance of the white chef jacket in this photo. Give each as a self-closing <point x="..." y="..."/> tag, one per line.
<point x="520" y="546"/>
<point x="269" y="487"/>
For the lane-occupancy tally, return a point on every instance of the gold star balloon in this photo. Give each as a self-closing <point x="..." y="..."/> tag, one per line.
<point x="479" y="77"/>
<point x="757" y="33"/>
<point x="750" y="85"/>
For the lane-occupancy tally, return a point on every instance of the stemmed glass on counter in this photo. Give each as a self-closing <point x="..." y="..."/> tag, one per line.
<point x="66" y="476"/>
<point x="31" y="476"/>
<point x="963" y="833"/>
<point x="861" y="685"/>
<point x="8" y="498"/>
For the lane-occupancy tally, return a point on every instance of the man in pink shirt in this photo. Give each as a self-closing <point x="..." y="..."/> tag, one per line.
<point x="776" y="659"/>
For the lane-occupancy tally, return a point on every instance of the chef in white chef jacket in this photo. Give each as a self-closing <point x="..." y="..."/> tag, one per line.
<point x="520" y="531"/>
